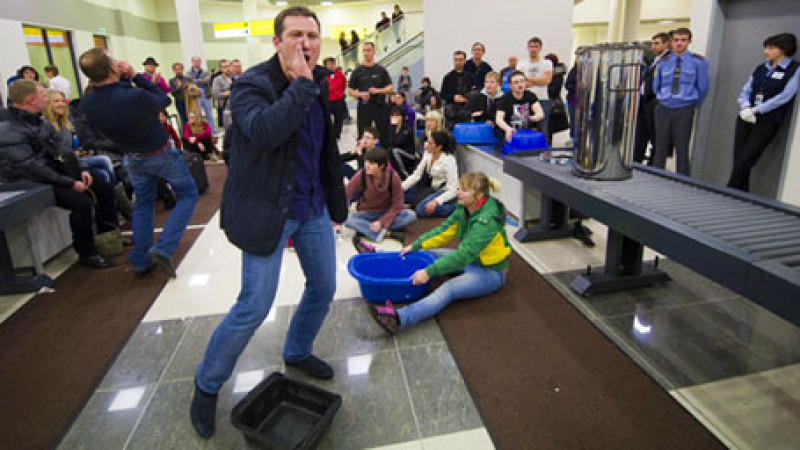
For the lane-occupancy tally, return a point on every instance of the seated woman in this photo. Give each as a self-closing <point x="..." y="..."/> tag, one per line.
<point x="380" y="204"/>
<point x="368" y="141"/>
<point x="57" y="115"/>
<point x="400" y="143"/>
<point x="432" y="188"/>
<point x="433" y="122"/>
<point x="197" y="137"/>
<point x="481" y="259"/>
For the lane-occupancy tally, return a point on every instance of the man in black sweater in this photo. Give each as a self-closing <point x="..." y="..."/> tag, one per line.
<point x="456" y="88"/>
<point x="128" y="115"/>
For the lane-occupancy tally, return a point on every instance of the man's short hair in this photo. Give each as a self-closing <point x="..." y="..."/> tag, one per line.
<point x="292" y="11"/>
<point x="460" y="52"/>
<point x="787" y="42"/>
<point x="223" y="60"/>
<point x="370" y="43"/>
<point x="51" y="68"/>
<point x="95" y="64"/>
<point x="401" y="94"/>
<point x="377" y="155"/>
<point x="682" y="31"/>
<point x="663" y="37"/>
<point x="20" y="90"/>
<point x="397" y="111"/>
<point x="480" y="44"/>
<point x="177" y="64"/>
<point x="515" y="73"/>
<point x="373" y="131"/>
<point x="329" y="58"/>
<point x="235" y="60"/>
<point x="535" y="40"/>
<point x="493" y="75"/>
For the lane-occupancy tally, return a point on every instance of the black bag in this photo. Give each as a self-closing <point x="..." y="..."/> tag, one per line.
<point x="558" y="117"/>
<point x="198" y="170"/>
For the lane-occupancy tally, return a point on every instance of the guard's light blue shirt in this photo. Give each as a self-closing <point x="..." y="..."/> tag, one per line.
<point x="786" y="94"/>
<point x="693" y="81"/>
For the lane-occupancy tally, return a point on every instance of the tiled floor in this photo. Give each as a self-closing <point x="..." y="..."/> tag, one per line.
<point x="733" y="365"/>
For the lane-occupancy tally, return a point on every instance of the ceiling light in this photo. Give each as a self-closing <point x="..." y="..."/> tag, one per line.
<point x="281" y="3"/>
<point x="326" y="3"/>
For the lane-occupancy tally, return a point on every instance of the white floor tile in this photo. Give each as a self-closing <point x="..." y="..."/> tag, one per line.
<point x="475" y="439"/>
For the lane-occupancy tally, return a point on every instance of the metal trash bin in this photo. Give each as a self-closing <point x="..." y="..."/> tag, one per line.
<point x="607" y="103"/>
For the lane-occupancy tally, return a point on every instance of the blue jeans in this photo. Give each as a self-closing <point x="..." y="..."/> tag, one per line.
<point x="99" y="166"/>
<point x="205" y="103"/>
<point x="144" y="173"/>
<point x="315" y="246"/>
<point x="442" y="210"/>
<point x="474" y="281"/>
<point x="360" y="221"/>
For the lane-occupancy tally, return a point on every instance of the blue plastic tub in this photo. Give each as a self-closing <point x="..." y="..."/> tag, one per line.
<point x="385" y="276"/>
<point x="524" y="140"/>
<point x="473" y="133"/>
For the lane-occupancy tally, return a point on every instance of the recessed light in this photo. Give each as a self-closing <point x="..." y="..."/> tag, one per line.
<point x="281" y="3"/>
<point x="326" y="3"/>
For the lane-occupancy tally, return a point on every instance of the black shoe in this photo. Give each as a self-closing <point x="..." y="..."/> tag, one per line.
<point x="96" y="262"/>
<point x="580" y="233"/>
<point x="361" y="246"/>
<point x="164" y="263"/>
<point x="313" y="367"/>
<point x="142" y="273"/>
<point x="203" y="412"/>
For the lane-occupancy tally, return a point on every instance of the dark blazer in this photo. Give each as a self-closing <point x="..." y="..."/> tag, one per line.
<point x="267" y="112"/>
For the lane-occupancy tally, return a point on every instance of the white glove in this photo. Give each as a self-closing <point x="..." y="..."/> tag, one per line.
<point x="748" y="115"/>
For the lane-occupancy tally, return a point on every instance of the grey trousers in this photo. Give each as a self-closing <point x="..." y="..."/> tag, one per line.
<point x="673" y="129"/>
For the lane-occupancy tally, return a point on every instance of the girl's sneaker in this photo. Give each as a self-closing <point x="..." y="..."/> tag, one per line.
<point x="361" y="246"/>
<point x="386" y="316"/>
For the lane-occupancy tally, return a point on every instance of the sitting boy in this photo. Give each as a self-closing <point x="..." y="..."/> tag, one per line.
<point x="369" y="139"/>
<point x="380" y="207"/>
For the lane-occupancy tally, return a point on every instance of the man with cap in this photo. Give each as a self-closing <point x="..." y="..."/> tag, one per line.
<point x="153" y="75"/>
<point x="680" y="85"/>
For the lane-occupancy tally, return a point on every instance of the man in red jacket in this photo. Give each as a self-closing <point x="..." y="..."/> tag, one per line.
<point x="336" y="85"/>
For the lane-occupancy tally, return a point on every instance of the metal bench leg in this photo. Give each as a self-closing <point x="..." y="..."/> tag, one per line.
<point x="624" y="269"/>
<point x="9" y="282"/>
<point x="554" y="223"/>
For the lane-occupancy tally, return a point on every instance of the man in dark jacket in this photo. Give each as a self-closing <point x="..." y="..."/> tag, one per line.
<point x="28" y="152"/>
<point x="457" y="86"/>
<point x="284" y="182"/>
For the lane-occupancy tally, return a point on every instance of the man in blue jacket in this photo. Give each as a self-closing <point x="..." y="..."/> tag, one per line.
<point x="284" y="182"/>
<point x="680" y="85"/>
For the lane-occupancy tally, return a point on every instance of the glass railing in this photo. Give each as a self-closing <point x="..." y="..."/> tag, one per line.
<point x="387" y="40"/>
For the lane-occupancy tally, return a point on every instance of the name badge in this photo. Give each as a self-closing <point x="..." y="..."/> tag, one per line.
<point x="777" y="75"/>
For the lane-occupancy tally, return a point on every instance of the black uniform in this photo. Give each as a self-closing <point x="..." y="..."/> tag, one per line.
<point x="375" y="110"/>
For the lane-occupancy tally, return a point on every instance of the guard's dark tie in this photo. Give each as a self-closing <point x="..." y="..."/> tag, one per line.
<point x="676" y="77"/>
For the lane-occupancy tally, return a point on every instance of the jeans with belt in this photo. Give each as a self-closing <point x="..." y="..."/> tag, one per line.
<point x="144" y="172"/>
<point x="474" y="281"/>
<point x="316" y="248"/>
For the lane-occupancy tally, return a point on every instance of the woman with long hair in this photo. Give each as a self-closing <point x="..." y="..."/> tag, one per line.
<point x="197" y="137"/>
<point x="432" y="188"/>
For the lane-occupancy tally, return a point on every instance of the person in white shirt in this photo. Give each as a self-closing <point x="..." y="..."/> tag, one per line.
<point x="432" y="188"/>
<point x="539" y="73"/>
<point x="57" y="82"/>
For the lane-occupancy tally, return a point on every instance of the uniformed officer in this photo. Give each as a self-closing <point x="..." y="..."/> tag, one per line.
<point x="765" y="102"/>
<point x="646" y="122"/>
<point x="680" y="84"/>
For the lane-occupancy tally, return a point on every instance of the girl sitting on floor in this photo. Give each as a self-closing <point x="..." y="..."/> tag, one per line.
<point x="431" y="189"/>
<point x="197" y="137"/>
<point x="482" y="256"/>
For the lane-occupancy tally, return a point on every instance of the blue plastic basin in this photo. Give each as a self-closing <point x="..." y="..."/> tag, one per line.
<point x="385" y="276"/>
<point x="524" y="140"/>
<point x="473" y="133"/>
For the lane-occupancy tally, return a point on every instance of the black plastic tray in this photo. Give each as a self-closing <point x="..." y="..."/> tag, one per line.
<point x="281" y="413"/>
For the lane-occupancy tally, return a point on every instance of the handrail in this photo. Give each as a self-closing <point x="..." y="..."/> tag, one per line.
<point x="385" y="40"/>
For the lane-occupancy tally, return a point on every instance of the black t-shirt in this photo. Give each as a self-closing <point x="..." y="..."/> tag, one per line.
<point x="518" y="112"/>
<point x="365" y="77"/>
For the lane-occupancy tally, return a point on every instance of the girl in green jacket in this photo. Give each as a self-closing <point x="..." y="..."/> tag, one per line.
<point x="481" y="258"/>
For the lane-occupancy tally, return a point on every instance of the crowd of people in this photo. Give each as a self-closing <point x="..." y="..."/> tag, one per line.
<point x="286" y="181"/>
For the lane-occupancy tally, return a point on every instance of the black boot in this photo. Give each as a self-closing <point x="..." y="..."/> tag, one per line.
<point x="203" y="412"/>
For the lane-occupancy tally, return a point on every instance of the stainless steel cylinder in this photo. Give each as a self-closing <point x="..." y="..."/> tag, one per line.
<point x="606" y="106"/>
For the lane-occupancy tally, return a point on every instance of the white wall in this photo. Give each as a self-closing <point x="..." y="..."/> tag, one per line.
<point x="13" y="52"/>
<point x="504" y="28"/>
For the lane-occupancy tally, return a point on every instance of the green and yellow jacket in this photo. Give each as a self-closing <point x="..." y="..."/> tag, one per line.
<point x="481" y="236"/>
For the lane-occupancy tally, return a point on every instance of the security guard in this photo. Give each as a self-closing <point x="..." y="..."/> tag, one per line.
<point x="646" y="122"/>
<point x="765" y="101"/>
<point x="680" y="84"/>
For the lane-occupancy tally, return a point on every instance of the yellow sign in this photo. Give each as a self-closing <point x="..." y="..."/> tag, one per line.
<point x="230" y="29"/>
<point x="262" y="27"/>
